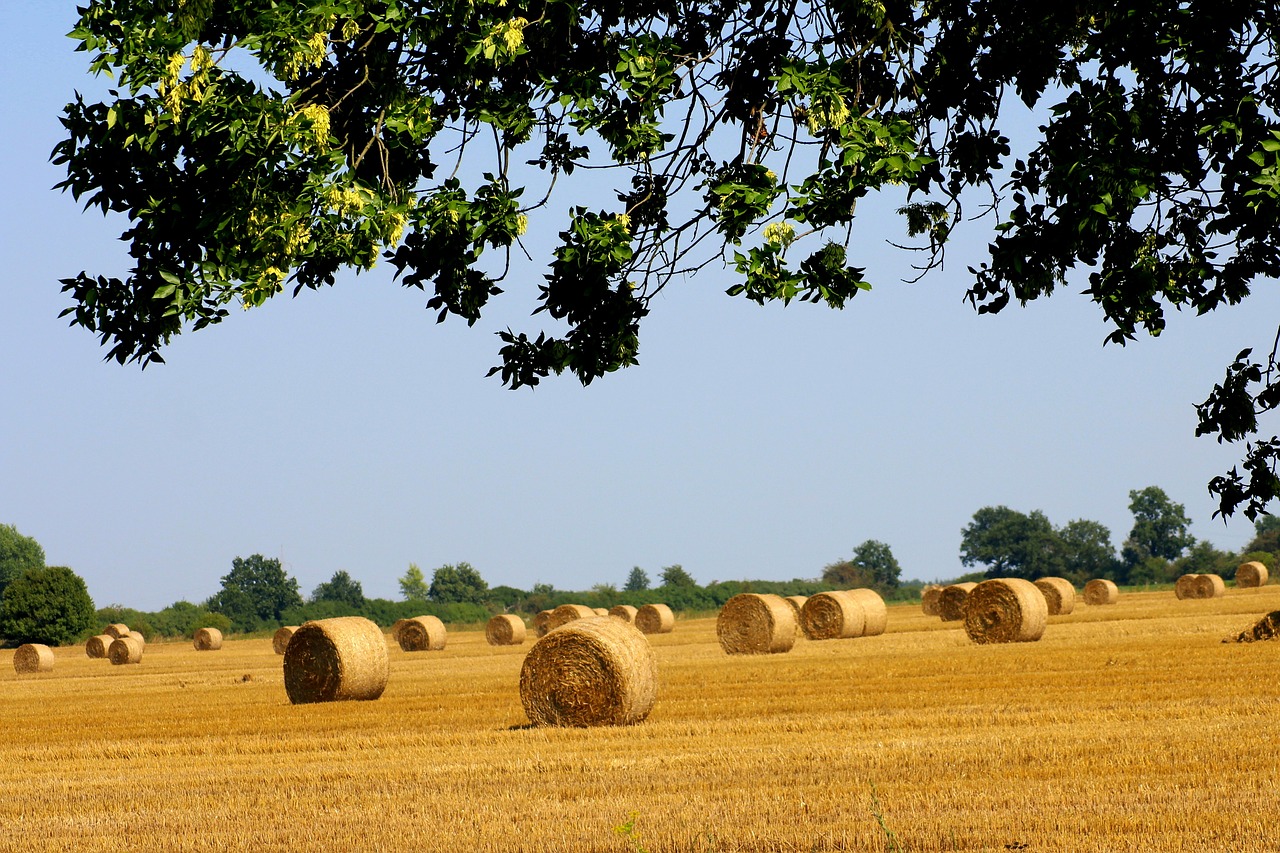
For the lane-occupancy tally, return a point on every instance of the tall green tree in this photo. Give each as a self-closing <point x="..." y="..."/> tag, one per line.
<point x="46" y="605"/>
<point x="255" y="593"/>
<point x="1012" y="544"/>
<point x="872" y="565"/>
<point x="256" y="148"/>
<point x="458" y="583"/>
<point x="637" y="580"/>
<point x="413" y="584"/>
<point x="1159" y="527"/>
<point x="18" y="553"/>
<point x="341" y="587"/>
<point x="675" y="575"/>
<point x="1087" y="552"/>
<point x="1266" y="535"/>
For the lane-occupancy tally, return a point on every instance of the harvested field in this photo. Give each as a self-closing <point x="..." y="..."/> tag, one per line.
<point x="1095" y="739"/>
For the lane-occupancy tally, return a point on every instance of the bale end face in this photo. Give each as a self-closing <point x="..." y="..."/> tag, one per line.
<point x="334" y="660"/>
<point x="1101" y="591"/>
<point x="207" y="639"/>
<point x="566" y="613"/>
<point x="422" y="634"/>
<point x="655" y="619"/>
<point x="751" y="624"/>
<point x="33" y="657"/>
<point x="1251" y="575"/>
<point x="505" y="629"/>
<point x="1005" y="610"/>
<point x="97" y="646"/>
<point x="951" y="600"/>
<point x="1059" y="595"/>
<point x="125" y="650"/>
<point x="833" y="615"/>
<point x="280" y="640"/>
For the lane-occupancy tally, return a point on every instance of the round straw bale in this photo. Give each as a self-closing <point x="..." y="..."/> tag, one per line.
<point x="929" y="599"/>
<point x="137" y="635"/>
<point x="951" y="601"/>
<point x="797" y="606"/>
<point x="125" y="650"/>
<point x="833" y="615"/>
<point x="422" y="634"/>
<point x="33" y="657"/>
<point x="876" y="615"/>
<point x="208" y="639"/>
<point x="542" y="622"/>
<point x="567" y="613"/>
<point x="280" y="639"/>
<point x="625" y="612"/>
<point x="589" y="672"/>
<point x="1185" y="586"/>
<point x="333" y="660"/>
<point x="116" y="630"/>
<point x="751" y="624"/>
<point x="600" y="611"/>
<point x="1101" y="591"/>
<point x="1209" y="586"/>
<point x="1005" y="610"/>
<point x="1251" y="574"/>
<point x="505" y="629"/>
<point x="655" y="619"/>
<point x="97" y="646"/>
<point x="1059" y="595"/>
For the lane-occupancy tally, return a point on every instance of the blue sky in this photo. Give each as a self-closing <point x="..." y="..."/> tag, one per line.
<point x="345" y="429"/>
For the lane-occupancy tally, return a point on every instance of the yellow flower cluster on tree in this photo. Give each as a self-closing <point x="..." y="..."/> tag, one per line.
<point x="779" y="233"/>
<point x="176" y="91"/>
<point x="828" y="110"/>
<point x="317" y="116"/>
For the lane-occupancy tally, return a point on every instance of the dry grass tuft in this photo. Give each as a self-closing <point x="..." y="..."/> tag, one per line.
<point x="1059" y="595"/>
<point x="280" y="640"/>
<point x="505" y="629"/>
<point x="124" y="650"/>
<point x="751" y="624"/>
<point x="33" y="657"/>
<point x="1251" y="574"/>
<point x="421" y="634"/>
<point x="655" y="619"/>
<point x="97" y="646"/>
<point x="833" y="615"/>
<point x="951" y="601"/>
<point x="1005" y="610"/>
<point x="590" y="672"/>
<point x="625" y="612"/>
<point x="334" y="660"/>
<point x="1101" y="591"/>
<point x="208" y="639"/>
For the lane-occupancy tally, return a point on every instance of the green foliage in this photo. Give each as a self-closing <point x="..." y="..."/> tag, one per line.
<point x="676" y="576"/>
<point x="873" y="566"/>
<point x="182" y="618"/>
<point x="1152" y="570"/>
<point x="1159" y="527"/>
<point x="1267" y="535"/>
<point x="413" y="584"/>
<point x="255" y="593"/>
<point x="341" y="587"/>
<point x="458" y="583"/>
<point x="1087" y="552"/>
<point x="46" y="605"/>
<point x="18" y="553"/>
<point x="1011" y="544"/>
<point x="637" y="580"/>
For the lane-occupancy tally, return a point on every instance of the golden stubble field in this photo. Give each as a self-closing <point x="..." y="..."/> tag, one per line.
<point x="1128" y="727"/>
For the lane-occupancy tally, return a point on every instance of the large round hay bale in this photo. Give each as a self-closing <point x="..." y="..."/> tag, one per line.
<point x="97" y="646"/>
<point x="208" y="639"/>
<point x="797" y="606"/>
<point x="505" y="629"/>
<point x="566" y="613"/>
<point x="125" y="650"/>
<point x="1251" y="574"/>
<point x="333" y="660"/>
<point x="930" y="597"/>
<point x="1005" y="610"/>
<point x="137" y="635"/>
<point x="1058" y="594"/>
<point x="833" y="615"/>
<point x="542" y="622"/>
<point x="1209" y="586"/>
<point x="1185" y="586"/>
<point x="1101" y="591"/>
<point x="422" y="634"/>
<point x="116" y="630"/>
<point x="951" y="601"/>
<point x="655" y="619"/>
<point x="33" y="657"/>
<point x="589" y="672"/>
<point x="625" y="612"/>
<point x="751" y="624"/>
<point x="875" y="614"/>
<point x="280" y="639"/>
<point x="600" y="611"/>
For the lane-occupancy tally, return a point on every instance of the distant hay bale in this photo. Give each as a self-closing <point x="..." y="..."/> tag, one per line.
<point x="33" y="657"/>
<point x="655" y="619"/>
<point x="505" y="629"/>
<point x="1266" y="628"/>
<point x="600" y="611"/>
<point x="1101" y="591"/>
<point x="116" y="630"/>
<point x="137" y="635"/>
<point x="207" y="639"/>
<point x="97" y="646"/>
<point x="542" y="623"/>
<point x="625" y="612"/>
<point x="875" y="614"/>
<point x="280" y="639"/>
<point x="1209" y="586"/>
<point x="1251" y="574"/>
<point x="1005" y="610"/>
<point x="751" y="624"/>
<point x="422" y="634"/>
<point x="797" y="606"/>
<point x="335" y="660"/>
<point x="930" y="599"/>
<point x="566" y="613"/>
<point x="951" y="600"/>
<point x="589" y="672"/>
<point x="124" y="650"/>
<point x="1185" y="586"/>
<point x="833" y="615"/>
<point x="1059" y="595"/>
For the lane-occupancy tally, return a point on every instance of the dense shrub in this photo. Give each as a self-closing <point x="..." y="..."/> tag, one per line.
<point x="50" y="606"/>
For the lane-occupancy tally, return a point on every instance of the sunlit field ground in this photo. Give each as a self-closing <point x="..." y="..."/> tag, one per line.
<point x="1127" y="727"/>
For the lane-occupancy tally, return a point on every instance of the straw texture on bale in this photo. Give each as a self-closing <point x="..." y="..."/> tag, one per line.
<point x="875" y="614"/>
<point x="797" y="606"/>
<point x="590" y="672"/>
<point x="600" y="611"/>
<point x="1059" y="595"/>
<point x="951" y="601"/>
<point x="505" y="629"/>
<point x="422" y="634"/>
<point x="280" y="639"/>
<point x="334" y="660"/>
<point x="566" y="613"/>
<point x="930" y="600"/>
<point x="1209" y="586"/>
<point x="97" y="646"/>
<point x="1005" y="610"/>
<point x="542" y="623"/>
<point x="1251" y="574"/>
<point x="116" y="630"/>
<point x="125" y="650"/>
<point x="751" y="624"/>
<point x="1101" y="591"/>
<point x="1266" y="628"/>
<point x="833" y="615"/>
<point x="655" y="619"/>
<point x="1185" y="587"/>
<point x="625" y="612"/>
<point x="137" y="635"/>
<point x="208" y="639"/>
<point x="33" y="657"/>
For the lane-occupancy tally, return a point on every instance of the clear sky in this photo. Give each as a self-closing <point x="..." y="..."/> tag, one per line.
<point x="345" y="429"/>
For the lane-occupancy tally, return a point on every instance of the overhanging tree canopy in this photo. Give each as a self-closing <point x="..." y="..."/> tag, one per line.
<point x="255" y="145"/>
